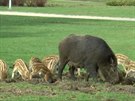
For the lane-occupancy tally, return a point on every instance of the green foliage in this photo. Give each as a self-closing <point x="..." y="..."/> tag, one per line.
<point x="121" y="3"/>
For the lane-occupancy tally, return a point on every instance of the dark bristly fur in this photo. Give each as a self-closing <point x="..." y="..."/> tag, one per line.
<point x="90" y="52"/>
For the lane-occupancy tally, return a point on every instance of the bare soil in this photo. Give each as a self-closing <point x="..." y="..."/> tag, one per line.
<point x="79" y="85"/>
<point x="17" y="91"/>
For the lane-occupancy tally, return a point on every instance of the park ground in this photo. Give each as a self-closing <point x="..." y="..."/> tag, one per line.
<point x="24" y="37"/>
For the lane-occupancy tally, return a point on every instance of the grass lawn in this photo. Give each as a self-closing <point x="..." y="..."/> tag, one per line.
<point x="32" y="36"/>
<point x="74" y="7"/>
<point x="24" y="37"/>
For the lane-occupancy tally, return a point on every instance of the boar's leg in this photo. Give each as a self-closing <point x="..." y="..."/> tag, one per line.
<point x="61" y="68"/>
<point x="91" y="72"/>
<point x="71" y="71"/>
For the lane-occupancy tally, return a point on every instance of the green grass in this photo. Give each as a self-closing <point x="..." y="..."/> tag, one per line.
<point x="24" y="37"/>
<point x="33" y="36"/>
<point x="92" y="8"/>
<point x="55" y="93"/>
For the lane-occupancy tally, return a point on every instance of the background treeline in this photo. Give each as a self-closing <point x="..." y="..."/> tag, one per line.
<point x="42" y="3"/>
<point x="29" y="3"/>
<point x="121" y="2"/>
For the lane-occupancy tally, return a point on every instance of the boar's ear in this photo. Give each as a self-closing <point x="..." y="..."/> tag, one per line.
<point x="111" y="61"/>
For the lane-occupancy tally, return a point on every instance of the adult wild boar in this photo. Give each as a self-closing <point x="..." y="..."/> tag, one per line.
<point x="90" y="52"/>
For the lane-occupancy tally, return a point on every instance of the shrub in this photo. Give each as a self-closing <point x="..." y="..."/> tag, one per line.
<point x="4" y="2"/>
<point x="121" y="3"/>
<point x="35" y="3"/>
<point x="18" y="2"/>
<point x="41" y="3"/>
<point x="29" y="3"/>
<point x="14" y="2"/>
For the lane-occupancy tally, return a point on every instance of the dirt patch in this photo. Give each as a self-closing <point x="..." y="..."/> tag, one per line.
<point x="125" y="86"/>
<point x="121" y="88"/>
<point x="80" y="85"/>
<point x="28" y="91"/>
<point x="17" y="78"/>
<point x="111" y="100"/>
<point x="77" y="86"/>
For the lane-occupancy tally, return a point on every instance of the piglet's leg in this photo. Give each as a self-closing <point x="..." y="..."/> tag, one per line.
<point x="13" y="73"/>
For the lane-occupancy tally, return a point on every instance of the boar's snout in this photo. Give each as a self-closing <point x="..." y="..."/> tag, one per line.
<point x="109" y="76"/>
<point x="114" y="77"/>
